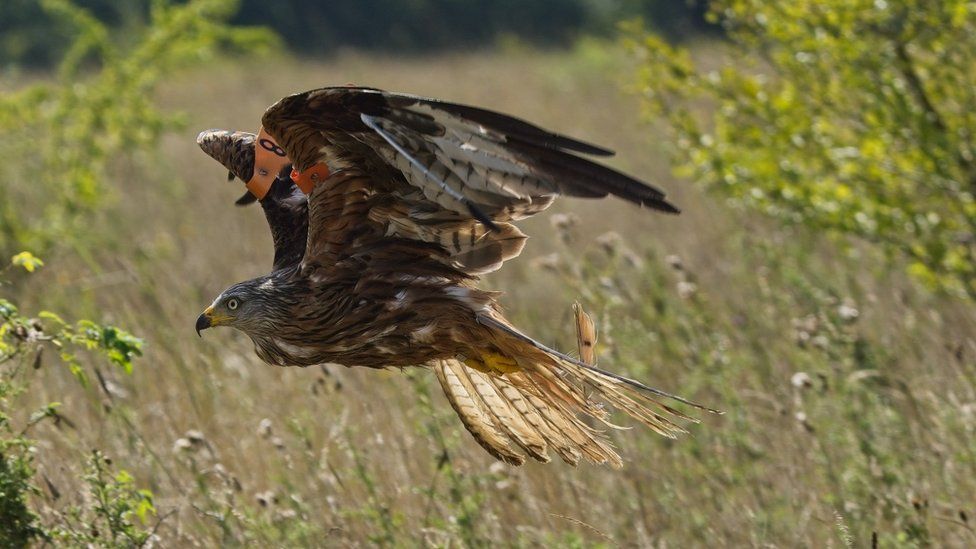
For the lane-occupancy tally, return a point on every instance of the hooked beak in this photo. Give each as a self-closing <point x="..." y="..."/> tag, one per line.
<point x="209" y="319"/>
<point x="205" y="321"/>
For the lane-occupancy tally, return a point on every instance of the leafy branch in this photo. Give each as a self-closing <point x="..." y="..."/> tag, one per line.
<point x="100" y="106"/>
<point x="22" y="340"/>
<point x="846" y="116"/>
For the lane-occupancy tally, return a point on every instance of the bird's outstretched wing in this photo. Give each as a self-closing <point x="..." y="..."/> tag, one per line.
<point x="413" y="196"/>
<point x="285" y="206"/>
<point x="440" y="174"/>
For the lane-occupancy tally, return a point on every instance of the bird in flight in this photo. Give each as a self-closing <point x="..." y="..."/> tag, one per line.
<point x="384" y="209"/>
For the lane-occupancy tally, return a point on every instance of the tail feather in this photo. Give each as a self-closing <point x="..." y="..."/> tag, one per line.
<point x="658" y="423"/>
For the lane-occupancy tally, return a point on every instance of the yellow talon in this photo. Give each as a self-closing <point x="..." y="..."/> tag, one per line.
<point x="477" y="365"/>
<point x="493" y="363"/>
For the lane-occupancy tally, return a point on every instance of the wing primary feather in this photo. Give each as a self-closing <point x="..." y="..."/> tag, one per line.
<point x="502" y="123"/>
<point x="583" y="174"/>
<point x="476" y="420"/>
<point x="370" y="121"/>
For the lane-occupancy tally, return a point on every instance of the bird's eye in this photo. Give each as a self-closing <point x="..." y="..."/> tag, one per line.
<point x="232" y="303"/>
<point x="262" y="171"/>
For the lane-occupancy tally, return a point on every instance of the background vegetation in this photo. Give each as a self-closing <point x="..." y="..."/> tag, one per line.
<point x="850" y="388"/>
<point x="31" y="36"/>
<point x="853" y="116"/>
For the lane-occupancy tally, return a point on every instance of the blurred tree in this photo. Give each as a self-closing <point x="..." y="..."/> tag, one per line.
<point x="850" y="115"/>
<point x="395" y="25"/>
<point x="29" y="35"/>
<point x="675" y="19"/>
<point x="32" y="35"/>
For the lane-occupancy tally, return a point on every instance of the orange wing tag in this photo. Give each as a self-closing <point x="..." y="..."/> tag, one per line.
<point x="306" y="180"/>
<point x="269" y="158"/>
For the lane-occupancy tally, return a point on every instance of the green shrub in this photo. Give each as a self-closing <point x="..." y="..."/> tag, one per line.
<point x="853" y="116"/>
<point x="22" y="342"/>
<point x="62" y="137"/>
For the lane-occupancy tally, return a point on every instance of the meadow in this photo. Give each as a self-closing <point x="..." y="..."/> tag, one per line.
<point x="849" y="392"/>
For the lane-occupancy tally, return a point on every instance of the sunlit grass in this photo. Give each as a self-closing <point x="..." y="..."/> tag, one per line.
<point x="850" y="395"/>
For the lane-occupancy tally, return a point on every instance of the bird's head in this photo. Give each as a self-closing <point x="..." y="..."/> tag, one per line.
<point x="255" y="159"/>
<point x="249" y="306"/>
<point x="235" y="150"/>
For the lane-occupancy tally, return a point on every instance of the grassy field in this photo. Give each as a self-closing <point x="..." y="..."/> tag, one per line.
<point x="850" y="394"/>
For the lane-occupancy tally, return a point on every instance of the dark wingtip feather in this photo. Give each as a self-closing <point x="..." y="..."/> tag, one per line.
<point x="246" y="199"/>
<point x="663" y="206"/>
<point x="503" y="123"/>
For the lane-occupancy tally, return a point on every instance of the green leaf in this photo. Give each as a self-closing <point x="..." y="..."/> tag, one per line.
<point x="27" y="260"/>
<point x="51" y="410"/>
<point x="53" y="317"/>
<point x="7" y="309"/>
<point x="837" y="115"/>
<point x="75" y="367"/>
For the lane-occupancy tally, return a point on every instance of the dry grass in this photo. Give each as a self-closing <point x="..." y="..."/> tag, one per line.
<point x="877" y="437"/>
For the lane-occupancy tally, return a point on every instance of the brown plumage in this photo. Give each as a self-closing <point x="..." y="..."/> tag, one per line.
<point x="411" y="200"/>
